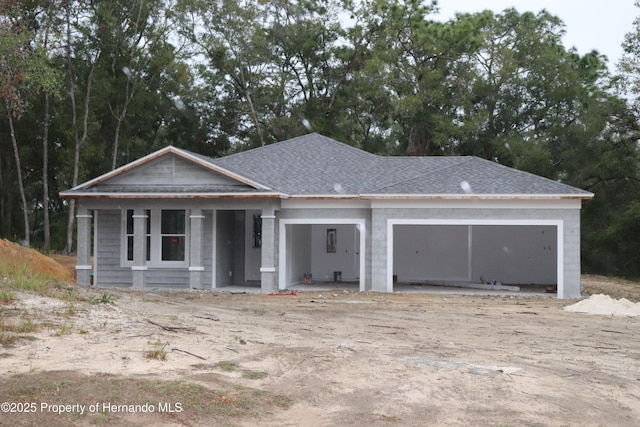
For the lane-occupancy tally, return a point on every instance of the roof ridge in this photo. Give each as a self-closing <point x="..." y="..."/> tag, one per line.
<point x="463" y="159"/>
<point x="522" y="172"/>
<point x="295" y="138"/>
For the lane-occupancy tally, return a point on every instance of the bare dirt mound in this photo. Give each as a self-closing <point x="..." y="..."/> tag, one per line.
<point x="13" y="254"/>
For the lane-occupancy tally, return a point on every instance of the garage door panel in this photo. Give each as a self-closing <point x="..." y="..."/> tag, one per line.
<point x="514" y="254"/>
<point x="431" y="252"/>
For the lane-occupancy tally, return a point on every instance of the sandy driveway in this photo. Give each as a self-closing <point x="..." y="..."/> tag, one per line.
<point x="358" y="359"/>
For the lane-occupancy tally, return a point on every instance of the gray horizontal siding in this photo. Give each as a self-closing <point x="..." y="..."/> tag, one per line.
<point x="108" y="257"/>
<point x="173" y="170"/>
<point x="109" y="272"/>
<point x="167" y="277"/>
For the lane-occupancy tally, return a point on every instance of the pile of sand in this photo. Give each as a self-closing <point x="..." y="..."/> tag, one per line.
<point x="12" y="254"/>
<point x="604" y="304"/>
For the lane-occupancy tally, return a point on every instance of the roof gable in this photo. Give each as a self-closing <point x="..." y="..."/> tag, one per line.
<point x="169" y="170"/>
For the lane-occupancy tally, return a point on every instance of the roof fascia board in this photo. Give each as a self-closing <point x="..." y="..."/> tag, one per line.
<point x="92" y="195"/>
<point x="122" y="169"/>
<point x="581" y="196"/>
<point x="528" y="204"/>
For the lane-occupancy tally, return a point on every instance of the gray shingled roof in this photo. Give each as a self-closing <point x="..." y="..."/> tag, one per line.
<point x="316" y="165"/>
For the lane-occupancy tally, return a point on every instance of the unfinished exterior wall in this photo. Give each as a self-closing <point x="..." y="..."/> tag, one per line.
<point x="340" y="211"/>
<point x="570" y="236"/>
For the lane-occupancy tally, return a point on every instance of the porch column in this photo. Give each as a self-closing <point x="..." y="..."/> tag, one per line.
<point x="196" y="266"/>
<point x="139" y="247"/>
<point x="268" y="275"/>
<point x="83" y="250"/>
<point x="381" y="252"/>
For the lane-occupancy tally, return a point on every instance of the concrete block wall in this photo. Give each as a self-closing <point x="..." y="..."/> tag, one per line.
<point x="571" y="236"/>
<point x="338" y="213"/>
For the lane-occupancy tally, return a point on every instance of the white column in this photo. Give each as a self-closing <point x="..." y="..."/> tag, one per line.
<point x="196" y="265"/>
<point x="139" y="247"/>
<point x="83" y="251"/>
<point x="268" y="274"/>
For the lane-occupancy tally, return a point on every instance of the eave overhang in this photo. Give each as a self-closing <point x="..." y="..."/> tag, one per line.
<point x="95" y="195"/>
<point x="580" y="196"/>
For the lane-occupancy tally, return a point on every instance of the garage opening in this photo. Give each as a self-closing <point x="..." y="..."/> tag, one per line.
<point x="521" y="255"/>
<point x="321" y="251"/>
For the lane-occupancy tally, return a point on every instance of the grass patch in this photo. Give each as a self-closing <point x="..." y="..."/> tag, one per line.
<point x="10" y="332"/>
<point x="21" y="277"/>
<point x="7" y="296"/>
<point x="157" y="351"/>
<point x="227" y="366"/>
<point x="254" y="375"/>
<point x="193" y="404"/>
<point x="26" y="326"/>
<point x="104" y="298"/>
<point x="7" y="339"/>
<point x="71" y="310"/>
<point x="64" y="329"/>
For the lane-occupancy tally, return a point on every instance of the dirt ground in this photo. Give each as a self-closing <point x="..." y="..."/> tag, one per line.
<point x="332" y="358"/>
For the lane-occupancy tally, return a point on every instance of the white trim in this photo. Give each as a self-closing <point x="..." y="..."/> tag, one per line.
<point x="129" y="195"/>
<point x="282" y="261"/>
<point x="95" y="247"/>
<point x="194" y="268"/>
<point x="513" y="196"/>
<point x="84" y="216"/>
<point x="477" y="204"/>
<point x="559" y="224"/>
<point x="267" y="269"/>
<point x="474" y="221"/>
<point x="214" y="247"/>
<point x="331" y="196"/>
<point x="325" y="204"/>
<point x="268" y="216"/>
<point x="469" y="252"/>
<point x="155" y="235"/>
<point x="139" y="268"/>
<point x="83" y="267"/>
<point x="196" y="217"/>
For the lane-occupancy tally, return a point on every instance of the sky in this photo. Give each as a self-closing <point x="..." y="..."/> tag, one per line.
<point x="589" y="24"/>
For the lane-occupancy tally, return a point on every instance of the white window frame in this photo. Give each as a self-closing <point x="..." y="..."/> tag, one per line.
<point x="125" y="237"/>
<point x="155" y="259"/>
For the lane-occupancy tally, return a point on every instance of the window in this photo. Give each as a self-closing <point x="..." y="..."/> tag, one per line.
<point x="173" y="234"/>
<point x="166" y="237"/>
<point x="257" y="231"/>
<point x="129" y="233"/>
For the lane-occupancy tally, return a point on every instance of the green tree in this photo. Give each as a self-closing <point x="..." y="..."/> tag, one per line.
<point x="24" y="71"/>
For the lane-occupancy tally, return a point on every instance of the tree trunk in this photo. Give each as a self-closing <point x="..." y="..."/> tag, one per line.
<point x="45" y="175"/>
<point x="80" y="140"/>
<point x="25" y="211"/>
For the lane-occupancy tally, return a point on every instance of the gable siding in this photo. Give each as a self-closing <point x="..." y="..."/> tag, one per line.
<point x="172" y="170"/>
